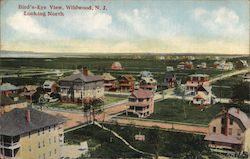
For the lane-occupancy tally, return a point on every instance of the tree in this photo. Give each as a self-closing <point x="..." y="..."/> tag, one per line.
<point x="155" y="140"/>
<point x="241" y="92"/>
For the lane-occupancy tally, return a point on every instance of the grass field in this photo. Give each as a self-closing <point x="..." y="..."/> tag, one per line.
<point x="176" y="145"/>
<point x="70" y="106"/>
<point x="224" y="88"/>
<point x="173" y="110"/>
<point x="102" y="144"/>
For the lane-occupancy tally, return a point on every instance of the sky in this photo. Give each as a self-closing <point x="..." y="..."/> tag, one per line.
<point x="128" y="26"/>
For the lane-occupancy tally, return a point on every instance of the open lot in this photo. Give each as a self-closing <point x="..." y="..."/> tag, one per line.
<point x="102" y="144"/>
<point x="176" y="145"/>
<point x="173" y="110"/>
<point x="70" y="106"/>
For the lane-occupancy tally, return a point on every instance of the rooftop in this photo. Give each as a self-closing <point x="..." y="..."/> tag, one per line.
<point x="8" y="87"/>
<point x="84" y="78"/>
<point x="14" y="123"/>
<point x="141" y="93"/>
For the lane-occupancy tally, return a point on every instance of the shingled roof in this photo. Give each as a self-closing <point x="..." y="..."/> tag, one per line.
<point x="141" y="93"/>
<point x="84" y="78"/>
<point x="14" y="123"/>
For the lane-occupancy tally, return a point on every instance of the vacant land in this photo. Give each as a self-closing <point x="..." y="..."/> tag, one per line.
<point x="70" y="106"/>
<point x="224" y="88"/>
<point x="182" y="111"/>
<point x="102" y="144"/>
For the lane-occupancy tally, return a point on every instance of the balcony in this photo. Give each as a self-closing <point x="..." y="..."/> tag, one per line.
<point x="10" y="145"/>
<point x="136" y="103"/>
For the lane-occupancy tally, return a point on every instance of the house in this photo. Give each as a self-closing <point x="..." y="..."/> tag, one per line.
<point x="126" y="83"/>
<point x="116" y="66"/>
<point x="169" y="68"/>
<point x="241" y="64"/>
<point x="81" y="87"/>
<point x="230" y="130"/>
<point x="141" y="103"/>
<point x="49" y="86"/>
<point x="194" y="82"/>
<point x="169" y="80"/>
<point x="203" y="65"/>
<point x="145" y="74"/>
<point x="109" y="82"/>
<point x="204" y="96"/>
<point x="11" y="102"/>
<point x="185" y="65"/>
<point x="7" y="88"/>
<point x="223" y="65"/>
<point x="148" y="83"/>
<point x="30" y="134"/>
<point x="29" y="91"/>
<point x="246" y="77"/>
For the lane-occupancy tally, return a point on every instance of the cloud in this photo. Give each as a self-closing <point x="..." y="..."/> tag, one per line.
<point x="25" y="24"/>
<point x="222" y="21"/>
<point x="149" y="23"/>
<point x="89" y="22"/>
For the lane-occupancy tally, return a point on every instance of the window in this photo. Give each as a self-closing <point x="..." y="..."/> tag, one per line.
<point x="49" y="128"/>
<point x="222" y="130"/>
<point x="238" y="132"/>
<point x="38" y="132"/>
<point x="29" y="148"/>
<point x="44" y="156"/>
<point x="54" y="139"/>
<point x="43" y="144"/>
<point x="55" y="151"/>
<point x="54" y="127"/>
<point x="43" y="130"/>
<point x="39" y="145"/>
<point x="29" y="134"/>
<point x="231" y="121"/>
<point x="230" y="131"/>
<point x="50" y="153"/>
<point x="222" y="120"/>
<point x="49" y="140"/>
<point x="214" y="129"/>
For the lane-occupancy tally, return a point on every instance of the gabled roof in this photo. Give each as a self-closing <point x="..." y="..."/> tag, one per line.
<point x="108" y="77"/>
<point x="141" y="93"/>
<point x="128" y="77"/>
<point x="146" y="74"/>
<point x="7" y="100"/>
<point x="84" y="78"/>
<point x="14" y="122"/>
<point x="148" y="80"/>
<point x="202" y="88"/>
<point x="222" y="138"/>
<point x="31" y="87"/>
<point x="240" y="115"/>
<point x="8" y="87"/>
<point x="48" y="84"/>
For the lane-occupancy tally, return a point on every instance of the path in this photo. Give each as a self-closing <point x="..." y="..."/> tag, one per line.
<point x="122" y="139"/>
<point x="223" y="76"/>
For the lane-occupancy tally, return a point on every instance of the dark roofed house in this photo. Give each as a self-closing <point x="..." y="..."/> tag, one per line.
<point x="169" y="80"/>
<point x="230" y="130"/>
<point x="246" y="77"/>
<point x="7" y="88"/>
<point x="141" y="103"/>
<point x="126" y="83"/>
<point x="81" y="86"/>
<point x="27" y="132"/>
<point x="11" y="102"/>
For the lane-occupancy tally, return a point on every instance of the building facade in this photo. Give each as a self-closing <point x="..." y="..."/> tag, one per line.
<point x="79" y="87"/>
<point x="148" y="83"/>
<point x="230" y="130"/>
<point x="30" y="134"/>
<point x="194" y="82"/>
<point x="109" y="82"/>
<point x="141" y="103"/>
<point x="126" y="83"/>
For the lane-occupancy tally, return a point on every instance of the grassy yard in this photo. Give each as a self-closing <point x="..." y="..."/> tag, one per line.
<point x="224" y="88"/>
<point x="102" y="144"/>
<point x="71" y="106"/>
<point x="173" y="110"/>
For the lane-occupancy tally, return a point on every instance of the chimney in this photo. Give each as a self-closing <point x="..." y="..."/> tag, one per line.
<point x="27" y="115"/>
<point x="238" y="110"/>
<point x="85" y="71"/>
